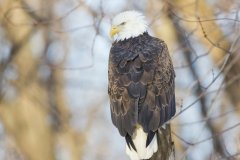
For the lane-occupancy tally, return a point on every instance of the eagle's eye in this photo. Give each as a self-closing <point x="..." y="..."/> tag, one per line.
<point x="123" y="23"/>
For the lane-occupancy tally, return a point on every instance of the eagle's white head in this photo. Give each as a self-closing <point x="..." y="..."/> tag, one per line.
<point x="128" y="24"/>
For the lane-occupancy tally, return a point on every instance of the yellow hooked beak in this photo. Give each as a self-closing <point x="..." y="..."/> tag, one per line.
<point x="114" y="30"/>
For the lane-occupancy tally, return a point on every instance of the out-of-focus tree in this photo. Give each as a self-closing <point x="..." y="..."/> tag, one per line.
<point x="32" y="108"/>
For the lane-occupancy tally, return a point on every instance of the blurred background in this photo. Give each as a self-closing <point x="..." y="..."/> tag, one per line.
<point x="53" y="77"/>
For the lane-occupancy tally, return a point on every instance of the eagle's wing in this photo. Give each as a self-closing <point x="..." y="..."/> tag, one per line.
<point x="141" y="86"/>
<point x="159" y="104"/>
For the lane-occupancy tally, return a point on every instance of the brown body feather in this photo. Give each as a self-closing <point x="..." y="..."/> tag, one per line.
<point x="141" y="84"/>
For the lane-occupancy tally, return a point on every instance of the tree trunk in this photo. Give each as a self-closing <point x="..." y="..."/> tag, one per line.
<point x="166" y="150"/>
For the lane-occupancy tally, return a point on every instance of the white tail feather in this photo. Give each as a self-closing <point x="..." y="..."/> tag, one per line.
<point x="139" y="141"/>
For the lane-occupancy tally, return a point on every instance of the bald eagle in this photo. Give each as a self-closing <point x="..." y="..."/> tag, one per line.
<point x="141" y="84"/>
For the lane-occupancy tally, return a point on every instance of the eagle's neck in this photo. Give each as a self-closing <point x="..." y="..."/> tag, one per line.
<point x="133" y="39"/>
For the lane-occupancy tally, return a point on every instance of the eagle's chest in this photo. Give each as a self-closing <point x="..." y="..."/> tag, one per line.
<point x="133" y="59"/>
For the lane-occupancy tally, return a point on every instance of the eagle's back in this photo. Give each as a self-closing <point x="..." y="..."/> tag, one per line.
<point x="141" y="84"/>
